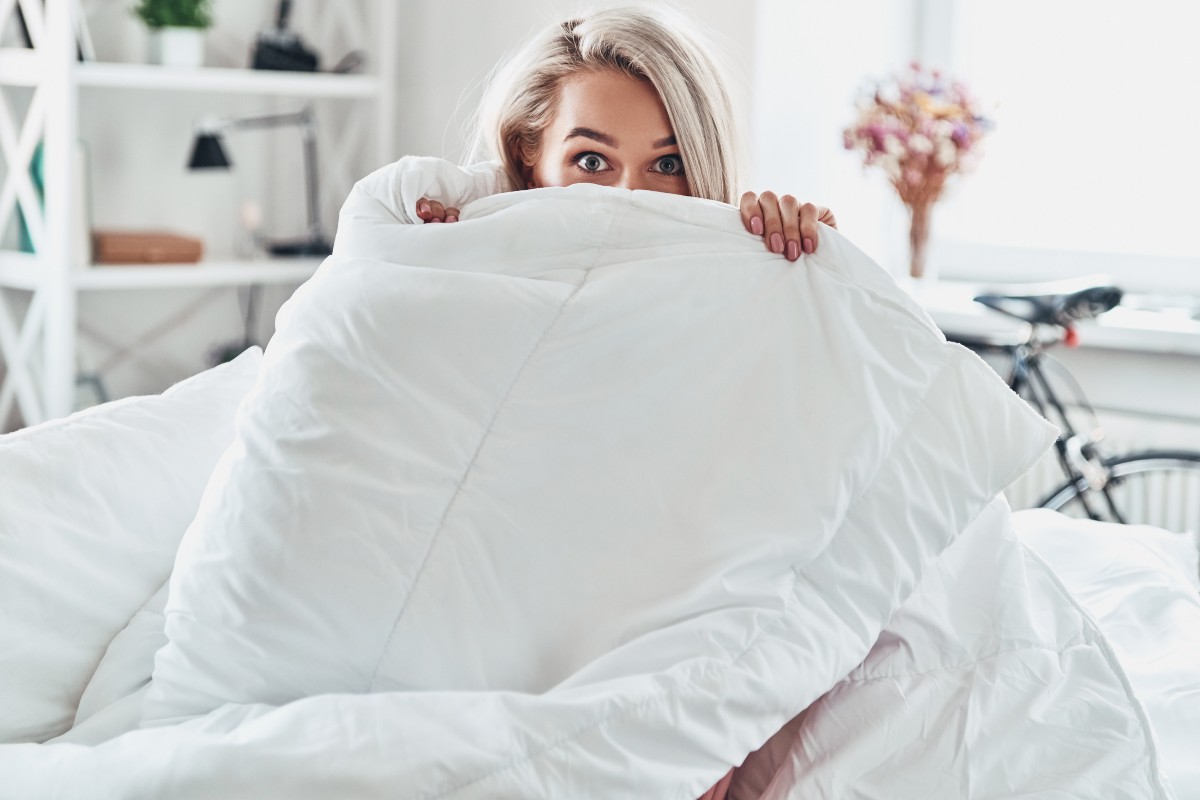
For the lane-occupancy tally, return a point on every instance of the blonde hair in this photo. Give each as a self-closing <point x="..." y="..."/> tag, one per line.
<point x="648" y="44"/>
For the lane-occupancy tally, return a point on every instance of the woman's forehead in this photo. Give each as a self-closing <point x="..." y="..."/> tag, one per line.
<point x="625" y="109"/>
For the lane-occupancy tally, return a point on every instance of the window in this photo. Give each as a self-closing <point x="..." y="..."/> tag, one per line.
<point x="1097" y="144"/>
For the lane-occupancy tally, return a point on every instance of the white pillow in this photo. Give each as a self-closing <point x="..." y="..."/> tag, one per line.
<point x="112" y="702"/>
<point x="94" y="507"/>
<point x="584" y="435"/>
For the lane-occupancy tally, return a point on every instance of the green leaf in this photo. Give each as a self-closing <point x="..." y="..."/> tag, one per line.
<point x="175" y="13"/>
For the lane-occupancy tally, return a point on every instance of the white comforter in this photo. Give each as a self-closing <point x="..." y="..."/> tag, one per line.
<point x="989" y="681"/>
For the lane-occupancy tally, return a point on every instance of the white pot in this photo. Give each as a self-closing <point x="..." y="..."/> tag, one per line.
<point x="177" y="47"/>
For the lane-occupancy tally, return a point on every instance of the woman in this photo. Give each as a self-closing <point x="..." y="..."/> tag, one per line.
<point x="631" y="98"/>
<point x="628" y="97"/>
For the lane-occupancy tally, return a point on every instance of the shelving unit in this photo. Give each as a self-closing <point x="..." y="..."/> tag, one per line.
<point x="39" y="349"/>
<point x="215" y="79"/>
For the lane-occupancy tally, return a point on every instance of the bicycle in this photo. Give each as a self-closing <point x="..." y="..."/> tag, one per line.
<point x="1129" y="488"/>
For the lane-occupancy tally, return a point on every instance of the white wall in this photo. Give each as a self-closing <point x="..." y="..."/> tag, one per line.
<point x="812" y="59"/>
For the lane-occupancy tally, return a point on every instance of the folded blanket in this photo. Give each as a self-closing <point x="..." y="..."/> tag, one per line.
<point x="584" y="495"/>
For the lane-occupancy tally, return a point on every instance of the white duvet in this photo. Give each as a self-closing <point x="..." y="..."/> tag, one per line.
<point x="811" y="492"/>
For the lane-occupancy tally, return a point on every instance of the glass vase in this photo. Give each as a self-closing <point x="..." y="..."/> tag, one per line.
<point x="918" y="241"/>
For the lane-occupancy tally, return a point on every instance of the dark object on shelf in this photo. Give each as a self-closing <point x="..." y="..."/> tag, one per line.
<point x="208" y="152"/>
<point x="282" y="49"/>
<point x="145" y="247"/>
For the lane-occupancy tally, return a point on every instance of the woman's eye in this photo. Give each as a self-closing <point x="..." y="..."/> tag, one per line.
<point x="669" y="165"/>
<point x="591" y="162"/>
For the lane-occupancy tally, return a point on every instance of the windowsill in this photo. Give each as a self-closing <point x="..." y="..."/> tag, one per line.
<point x="1169" y="331"/>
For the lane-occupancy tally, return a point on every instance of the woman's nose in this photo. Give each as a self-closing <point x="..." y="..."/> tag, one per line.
<point x="635" y="180"/>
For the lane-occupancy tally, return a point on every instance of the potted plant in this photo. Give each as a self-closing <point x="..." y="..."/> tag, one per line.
<point x="176" y="30"/>
<point x="920" y="128"/>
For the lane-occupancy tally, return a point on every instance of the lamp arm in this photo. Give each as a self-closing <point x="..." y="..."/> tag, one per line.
<point x="306" y="121"/>
<point x="302" y="117"/>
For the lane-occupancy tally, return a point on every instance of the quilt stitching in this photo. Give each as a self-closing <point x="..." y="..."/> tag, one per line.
<point x="482" y="439"/>
<point x="1085" y="643"/>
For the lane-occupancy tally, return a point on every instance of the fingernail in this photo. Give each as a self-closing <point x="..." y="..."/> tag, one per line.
<point x="776" y="242"/>
<point x="793" y="250"/>
<point x="422" y="207"/>
<point x="808" y="245"/>
<point x="756" y="226"/>
<point x="452" y="218"/>
<point x="435" y="219"/>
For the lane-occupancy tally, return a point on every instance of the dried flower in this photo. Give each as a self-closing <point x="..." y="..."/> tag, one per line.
<point x="920" y="127"/>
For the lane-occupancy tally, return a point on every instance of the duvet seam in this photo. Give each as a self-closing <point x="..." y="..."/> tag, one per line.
<point x="1084" y="641"/>
<point x="436" y="534"/>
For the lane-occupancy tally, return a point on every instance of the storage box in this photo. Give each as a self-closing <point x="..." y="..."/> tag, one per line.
<point x="145" y="247"/>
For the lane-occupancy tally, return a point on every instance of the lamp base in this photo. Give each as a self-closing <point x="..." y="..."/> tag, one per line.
<point x="300" y="247"/>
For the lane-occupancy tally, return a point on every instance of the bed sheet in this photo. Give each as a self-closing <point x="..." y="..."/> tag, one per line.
<point x="1140" y="584"/>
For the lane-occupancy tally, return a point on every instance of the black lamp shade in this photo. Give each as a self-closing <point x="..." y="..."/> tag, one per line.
<point x="207" y="153"/>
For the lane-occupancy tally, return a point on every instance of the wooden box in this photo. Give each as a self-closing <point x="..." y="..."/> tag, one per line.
<point x="144" y="247"/>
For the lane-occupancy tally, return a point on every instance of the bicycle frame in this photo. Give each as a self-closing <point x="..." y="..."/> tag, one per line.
<point x="1077" y="454"/>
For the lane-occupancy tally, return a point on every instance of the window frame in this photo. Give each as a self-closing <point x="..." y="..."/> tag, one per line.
<point x="938" y="39"/>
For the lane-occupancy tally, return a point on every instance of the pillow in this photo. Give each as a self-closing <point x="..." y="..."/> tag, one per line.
<point x="95" y="505"/>
<point x="583" y="437"/>
<point x="112" y="702"/>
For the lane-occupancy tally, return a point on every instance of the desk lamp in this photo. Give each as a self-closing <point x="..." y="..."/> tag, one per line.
<point x="209" y="153"/>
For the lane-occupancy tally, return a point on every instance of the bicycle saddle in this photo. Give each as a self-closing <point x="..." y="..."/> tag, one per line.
<point x="1060" y="303"/>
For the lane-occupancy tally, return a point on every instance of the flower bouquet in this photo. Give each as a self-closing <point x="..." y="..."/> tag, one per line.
<point x="920" y="129"/>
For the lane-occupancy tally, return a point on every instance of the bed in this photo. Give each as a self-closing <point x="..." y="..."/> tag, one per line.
<point x="586" y="495"/>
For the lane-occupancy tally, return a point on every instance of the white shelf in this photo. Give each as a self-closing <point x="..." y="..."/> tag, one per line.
<point x="205" y="273"/>
<point x="20" y="271"/>
<point x="214" y="79"/>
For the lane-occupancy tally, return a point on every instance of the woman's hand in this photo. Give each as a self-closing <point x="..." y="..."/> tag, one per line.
<point x="786" y="226"/>
<point x="433" y="211"/>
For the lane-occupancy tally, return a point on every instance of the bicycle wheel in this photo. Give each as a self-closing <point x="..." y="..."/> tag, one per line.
<point x="1156" y="487"/>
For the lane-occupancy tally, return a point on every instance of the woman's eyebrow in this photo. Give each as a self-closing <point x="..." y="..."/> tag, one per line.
<point x="667" y="142"/>
<point x="589" y="133"/>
